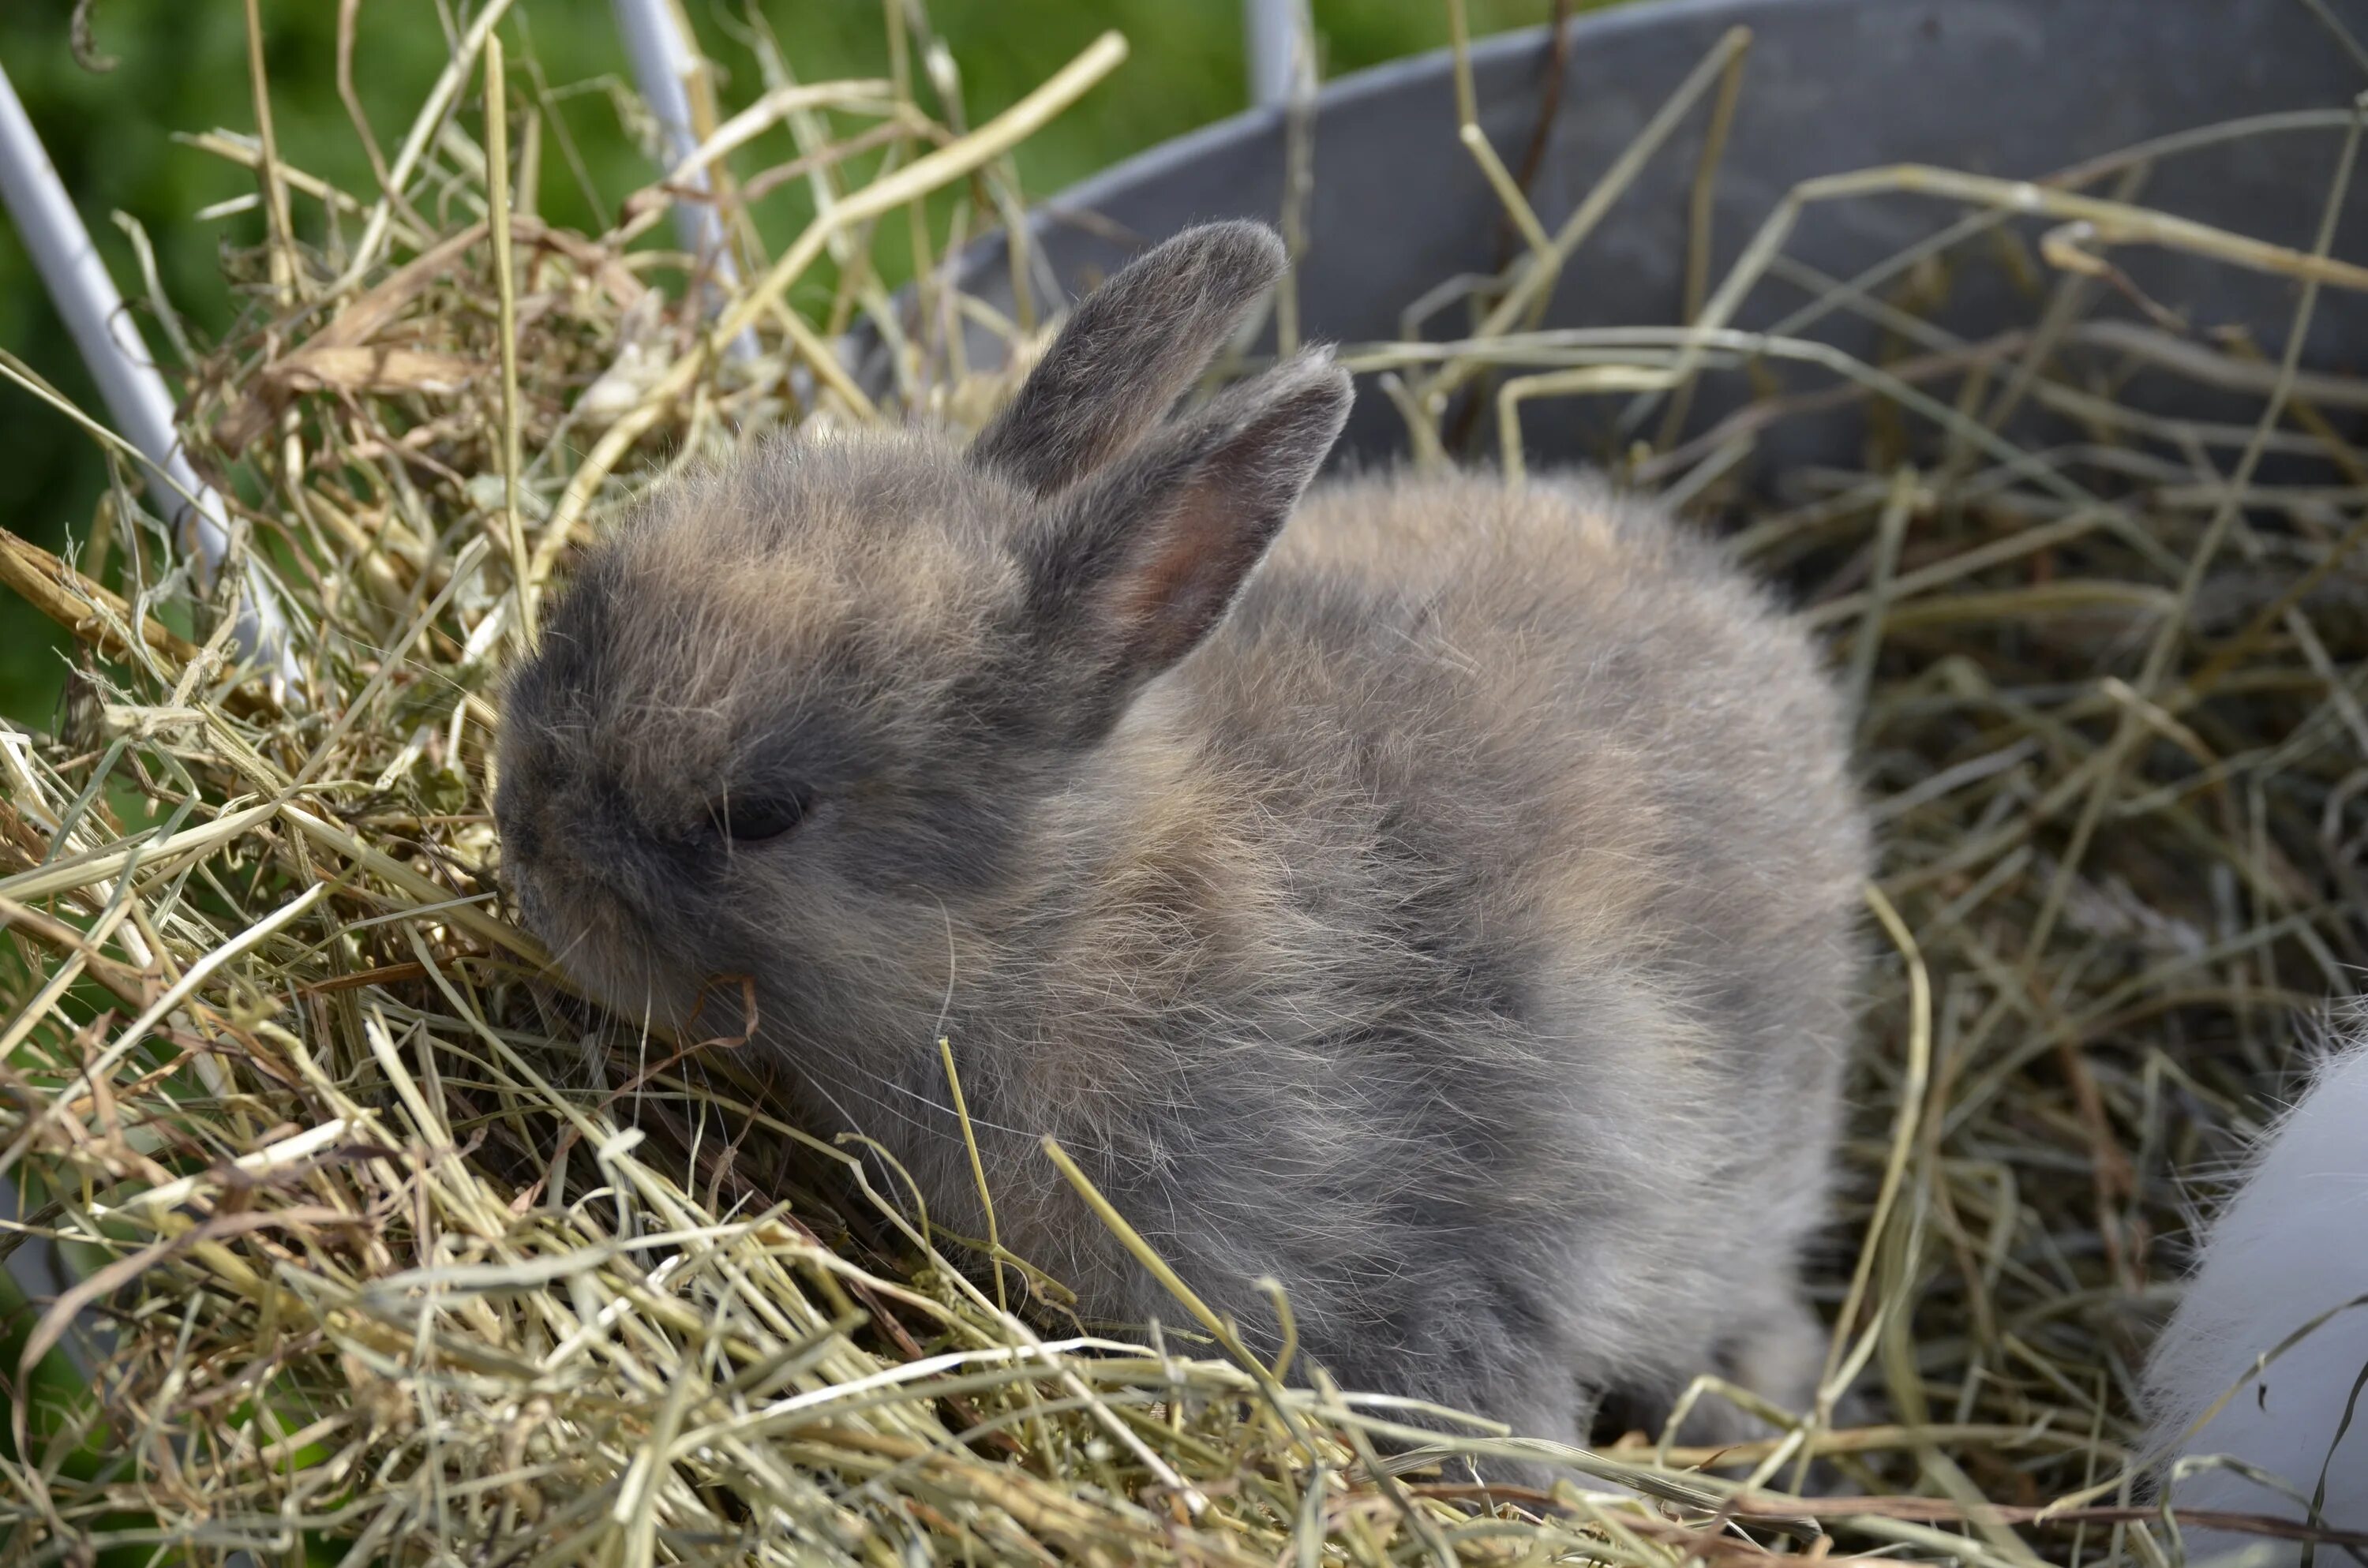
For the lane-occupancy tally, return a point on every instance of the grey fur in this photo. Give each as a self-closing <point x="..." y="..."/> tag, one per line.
<point x="1128" y="352"/>
<point x="1453" y="917"/>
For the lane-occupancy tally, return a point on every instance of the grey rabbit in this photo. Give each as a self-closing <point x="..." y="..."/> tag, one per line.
<point x="1444" y="905"/>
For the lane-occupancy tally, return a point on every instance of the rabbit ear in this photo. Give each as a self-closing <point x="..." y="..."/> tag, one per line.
<point x="1128" y="353"/>
<point x="1131" y="570"/>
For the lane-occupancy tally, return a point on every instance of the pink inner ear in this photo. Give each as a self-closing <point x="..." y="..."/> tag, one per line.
<point x="1187" y="567"/>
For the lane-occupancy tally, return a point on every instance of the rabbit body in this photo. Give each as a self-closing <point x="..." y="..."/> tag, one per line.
<point x="2291" y="1245"/>
<point x="1449" y="914"/>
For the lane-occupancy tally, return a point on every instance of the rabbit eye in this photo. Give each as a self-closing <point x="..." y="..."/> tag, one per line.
<point x="753" y="818"/>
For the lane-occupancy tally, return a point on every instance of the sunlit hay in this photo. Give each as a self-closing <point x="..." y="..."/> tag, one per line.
<point x="392" y="1250"/>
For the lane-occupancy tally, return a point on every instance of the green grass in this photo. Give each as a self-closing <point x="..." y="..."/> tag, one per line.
<point x="182" y="67"/>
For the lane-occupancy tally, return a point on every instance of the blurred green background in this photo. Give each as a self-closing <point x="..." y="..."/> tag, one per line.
<point x="180" y="65"/>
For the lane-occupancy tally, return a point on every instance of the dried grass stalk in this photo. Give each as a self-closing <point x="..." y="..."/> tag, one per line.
<point x="386" y="1267"/>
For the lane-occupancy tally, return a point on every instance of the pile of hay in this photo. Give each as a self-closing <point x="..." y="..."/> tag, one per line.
<point x="380" y="1264"/>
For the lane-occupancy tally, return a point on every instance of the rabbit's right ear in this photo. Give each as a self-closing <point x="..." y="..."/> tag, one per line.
<point x="1128" y="353"/>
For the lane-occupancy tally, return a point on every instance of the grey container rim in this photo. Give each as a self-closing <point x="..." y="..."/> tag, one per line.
<point x="2075" y="83"/>
<point x="1389" y="77"/>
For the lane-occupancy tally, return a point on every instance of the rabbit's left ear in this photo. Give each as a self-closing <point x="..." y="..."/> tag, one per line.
<point x="1128" y="353"/>
<point x="1131" y="570"/>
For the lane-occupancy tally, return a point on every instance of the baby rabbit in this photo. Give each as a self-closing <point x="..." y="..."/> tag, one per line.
<point x="2292" y="1246"/>
<point x="1443" y="904"/>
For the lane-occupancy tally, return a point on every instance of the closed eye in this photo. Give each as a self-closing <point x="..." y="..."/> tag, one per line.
<point x="760" y="818"/>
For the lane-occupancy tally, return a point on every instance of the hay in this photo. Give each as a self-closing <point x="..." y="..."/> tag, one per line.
<point x="377" y="1266"/>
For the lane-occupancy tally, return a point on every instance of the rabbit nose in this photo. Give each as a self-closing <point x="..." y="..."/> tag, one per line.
<point x="532" y="913"/>
<point x="639" y="885"/>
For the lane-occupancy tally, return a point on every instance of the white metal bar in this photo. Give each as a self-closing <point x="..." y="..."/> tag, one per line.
<point x="1270" y="29"/>
<point x="662" y="60"/>
<point x="136" y="399"/>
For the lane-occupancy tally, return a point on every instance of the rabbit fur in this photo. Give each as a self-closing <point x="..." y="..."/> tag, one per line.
<point x="2292" y="1244"/>
<point x="1445" y="906"/>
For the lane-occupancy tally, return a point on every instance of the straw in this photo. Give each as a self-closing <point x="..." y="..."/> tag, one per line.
<point x="397" y="1269"/>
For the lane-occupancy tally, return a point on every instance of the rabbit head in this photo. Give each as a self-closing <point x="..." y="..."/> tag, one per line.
<point x="795" y="720"/>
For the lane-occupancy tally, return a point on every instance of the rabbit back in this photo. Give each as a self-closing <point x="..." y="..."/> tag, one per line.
<point x="1515" y="840"/>
<point x="2291" y="1245"/>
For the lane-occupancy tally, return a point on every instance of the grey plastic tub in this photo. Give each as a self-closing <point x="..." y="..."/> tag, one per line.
<point x="2017" y="88"/>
